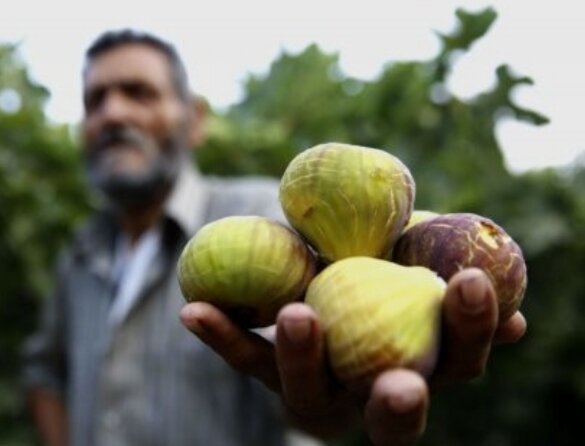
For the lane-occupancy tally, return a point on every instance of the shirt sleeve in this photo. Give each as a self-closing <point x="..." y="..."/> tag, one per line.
<point x="43" y="353"/>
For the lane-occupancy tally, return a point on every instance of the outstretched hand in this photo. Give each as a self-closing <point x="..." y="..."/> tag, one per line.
<point x="394" y="413"/>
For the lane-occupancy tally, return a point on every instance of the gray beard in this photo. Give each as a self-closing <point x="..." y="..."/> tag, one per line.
<point x="134" y="190"/>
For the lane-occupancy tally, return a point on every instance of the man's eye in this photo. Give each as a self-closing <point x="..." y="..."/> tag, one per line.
<point x="140" y="92"/>
<point x="93" y="100"/>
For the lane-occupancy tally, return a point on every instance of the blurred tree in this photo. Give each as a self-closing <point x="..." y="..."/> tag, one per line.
<point x="41" y="199"/>
<point x="301" y="101"/>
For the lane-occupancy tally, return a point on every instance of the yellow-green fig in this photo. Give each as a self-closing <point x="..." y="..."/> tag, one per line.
<point x="450" y="242"/>
<point x="347" y="200"/>
<point x="418" y="216"/>
<point x="249" y="266"/>
<point x="377" y="315"/>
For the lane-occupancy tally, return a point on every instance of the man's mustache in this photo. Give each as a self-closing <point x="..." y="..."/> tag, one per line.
<point x="119" y="135"/>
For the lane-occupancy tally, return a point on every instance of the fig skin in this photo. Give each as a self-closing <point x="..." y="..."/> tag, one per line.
<point x="418" y="216"/>
<point x="451" y="242"/>
<point x="347" y="200"/>
<point x="377" y="315"/>
<point x="248" y="266"/>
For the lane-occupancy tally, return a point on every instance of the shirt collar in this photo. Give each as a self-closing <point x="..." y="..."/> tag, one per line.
<point x="188" y="200"/>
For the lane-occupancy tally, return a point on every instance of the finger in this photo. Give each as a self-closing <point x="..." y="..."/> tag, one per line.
<point x="511" y="330"/>
<point x="300" y="353"/>
<point x="245" y="351"/>
<point x="470" y="318"/>
<point x="396" y="412"/>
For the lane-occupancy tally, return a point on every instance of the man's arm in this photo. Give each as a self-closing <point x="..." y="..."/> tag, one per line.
<point x="44" y="371"/>
<point x="47" y="411"/>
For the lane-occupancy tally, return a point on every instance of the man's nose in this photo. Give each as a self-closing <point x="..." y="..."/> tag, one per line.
<point x="116" y="110"/>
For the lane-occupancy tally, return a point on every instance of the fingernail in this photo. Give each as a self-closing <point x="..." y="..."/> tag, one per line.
<point x="297" y="331"/>
<point x="473" y="294"/>
<point x="190" y="318"/>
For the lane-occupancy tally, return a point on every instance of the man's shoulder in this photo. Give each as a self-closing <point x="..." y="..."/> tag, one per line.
<point x="100" y="222"/>
<point x="244" y="185"/>
<point x="94" y="231"/>
<point x="256" y="195"/>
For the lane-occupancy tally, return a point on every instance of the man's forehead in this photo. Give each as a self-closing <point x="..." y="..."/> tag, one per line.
<point x="128" y="61"/>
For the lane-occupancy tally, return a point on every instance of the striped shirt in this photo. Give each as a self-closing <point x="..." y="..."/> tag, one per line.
<point x="137" y="376"/>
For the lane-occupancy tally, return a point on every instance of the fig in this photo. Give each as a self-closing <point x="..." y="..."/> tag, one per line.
<point x="248" y="266"/>
<point x="347" y="200"/>
<point x="417" y="216"/>
<point x="376" y="315"/>
<point x="451" y="242"/>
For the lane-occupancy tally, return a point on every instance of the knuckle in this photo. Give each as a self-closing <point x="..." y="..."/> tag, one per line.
<point x="243" y="361"/>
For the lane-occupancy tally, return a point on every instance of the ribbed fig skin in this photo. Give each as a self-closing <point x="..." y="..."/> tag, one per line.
<point x="450" y="242"/>
<point x="347" y="200"/>
<point x="249" y="266"/>
<point x="418" y="216"/>
<point x="376" y="315"/>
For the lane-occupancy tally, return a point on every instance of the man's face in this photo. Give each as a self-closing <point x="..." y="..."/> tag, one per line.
<point x="135" y="127"/>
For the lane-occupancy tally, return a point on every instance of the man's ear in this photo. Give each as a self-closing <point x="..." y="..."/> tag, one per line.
<point x="199" y="111"/>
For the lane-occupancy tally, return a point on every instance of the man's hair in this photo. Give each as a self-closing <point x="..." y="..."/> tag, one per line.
<point x="113" y="39"/>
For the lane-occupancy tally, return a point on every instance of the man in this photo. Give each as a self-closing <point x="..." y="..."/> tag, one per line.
<point x="112" y="364"/>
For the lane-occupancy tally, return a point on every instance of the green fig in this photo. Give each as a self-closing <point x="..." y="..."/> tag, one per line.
<point x="347" y="200"/>
<point x="248" y="266"/>
<point x="418" y="216"/>
<point x="377" y="315"/>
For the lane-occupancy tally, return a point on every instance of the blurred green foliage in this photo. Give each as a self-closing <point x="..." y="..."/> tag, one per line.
<point x="41" y="199"/>
<point x="533" y="392"/>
